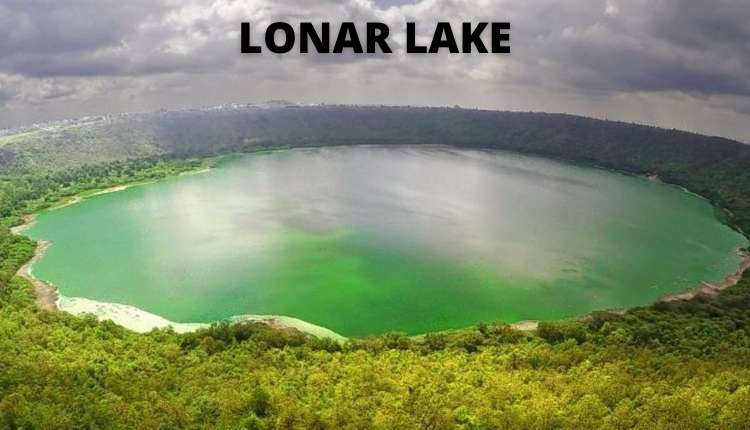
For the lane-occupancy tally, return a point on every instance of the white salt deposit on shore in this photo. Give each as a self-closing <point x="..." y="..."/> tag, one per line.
<point x="141" y="321"/>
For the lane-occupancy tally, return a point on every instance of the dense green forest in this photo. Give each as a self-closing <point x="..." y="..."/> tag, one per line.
<point x="678" y="365"/>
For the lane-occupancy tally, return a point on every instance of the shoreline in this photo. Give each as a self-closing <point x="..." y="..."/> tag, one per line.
<point x="48" y="298"/>
<point x="526" y="325"/>
<point x="141" y="321"/>
<point x="704" y="288"/>
<point x="712" y="289"/>
<point x="46" y="295"/>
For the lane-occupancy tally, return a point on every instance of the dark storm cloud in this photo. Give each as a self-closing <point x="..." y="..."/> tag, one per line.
<point x="41" y="38"/>
<point x="582" y="50"/>
<point x="664" y="45"/>
<point x="52" y="26"/>
<point x="720" y="29"/>
<point x="632" y="46"/>
<point x="627" y="68"/>
<point x="718" y="25"/>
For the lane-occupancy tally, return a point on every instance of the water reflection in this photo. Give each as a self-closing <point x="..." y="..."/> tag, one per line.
<point x="369" y="239"/>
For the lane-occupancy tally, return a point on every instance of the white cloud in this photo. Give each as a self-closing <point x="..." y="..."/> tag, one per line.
<point x="611" y="9"/>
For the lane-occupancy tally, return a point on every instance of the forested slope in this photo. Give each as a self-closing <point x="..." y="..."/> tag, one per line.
<point x="714" y="167"/>
<point x="678" y="365"/>
<point x="200" y="132"/>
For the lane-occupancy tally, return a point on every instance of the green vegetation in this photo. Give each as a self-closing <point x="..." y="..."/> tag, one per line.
<point x="678" y="365"/>
<point x="30" y="192"/>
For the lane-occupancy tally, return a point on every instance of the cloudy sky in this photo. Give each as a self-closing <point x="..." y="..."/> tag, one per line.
<point x="673" y="63"/>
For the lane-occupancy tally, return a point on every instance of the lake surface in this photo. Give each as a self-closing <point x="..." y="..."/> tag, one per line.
<point x="364" y="240"/>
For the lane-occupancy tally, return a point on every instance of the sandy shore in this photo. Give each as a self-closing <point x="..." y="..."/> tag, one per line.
<point x="46" y="294"/>
<point x="704" y="288"/>
<point x="114" y="189"/>
<point x="67" y="202"/>
<point x="196" y="172"/>
<point x="28" y="221"/>
<point x="135" y="319"/>
<point x="712" y="289"/>
<point x="48" y="298"/>
<point x="525" y="325"/>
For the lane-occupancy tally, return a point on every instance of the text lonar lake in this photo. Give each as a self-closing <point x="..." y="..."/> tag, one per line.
<point x="365" y="240"/>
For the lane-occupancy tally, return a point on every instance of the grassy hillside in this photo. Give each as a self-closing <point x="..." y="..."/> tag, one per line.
<point x="680" y="365"/>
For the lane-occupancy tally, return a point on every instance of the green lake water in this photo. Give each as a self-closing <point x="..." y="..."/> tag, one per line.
<point x="364" y="240"/>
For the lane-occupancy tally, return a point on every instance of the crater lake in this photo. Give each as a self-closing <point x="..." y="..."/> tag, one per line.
<point x="367" y="239"/>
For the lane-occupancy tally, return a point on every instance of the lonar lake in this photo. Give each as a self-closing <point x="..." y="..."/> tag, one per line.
<point x="364" y="240"/>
